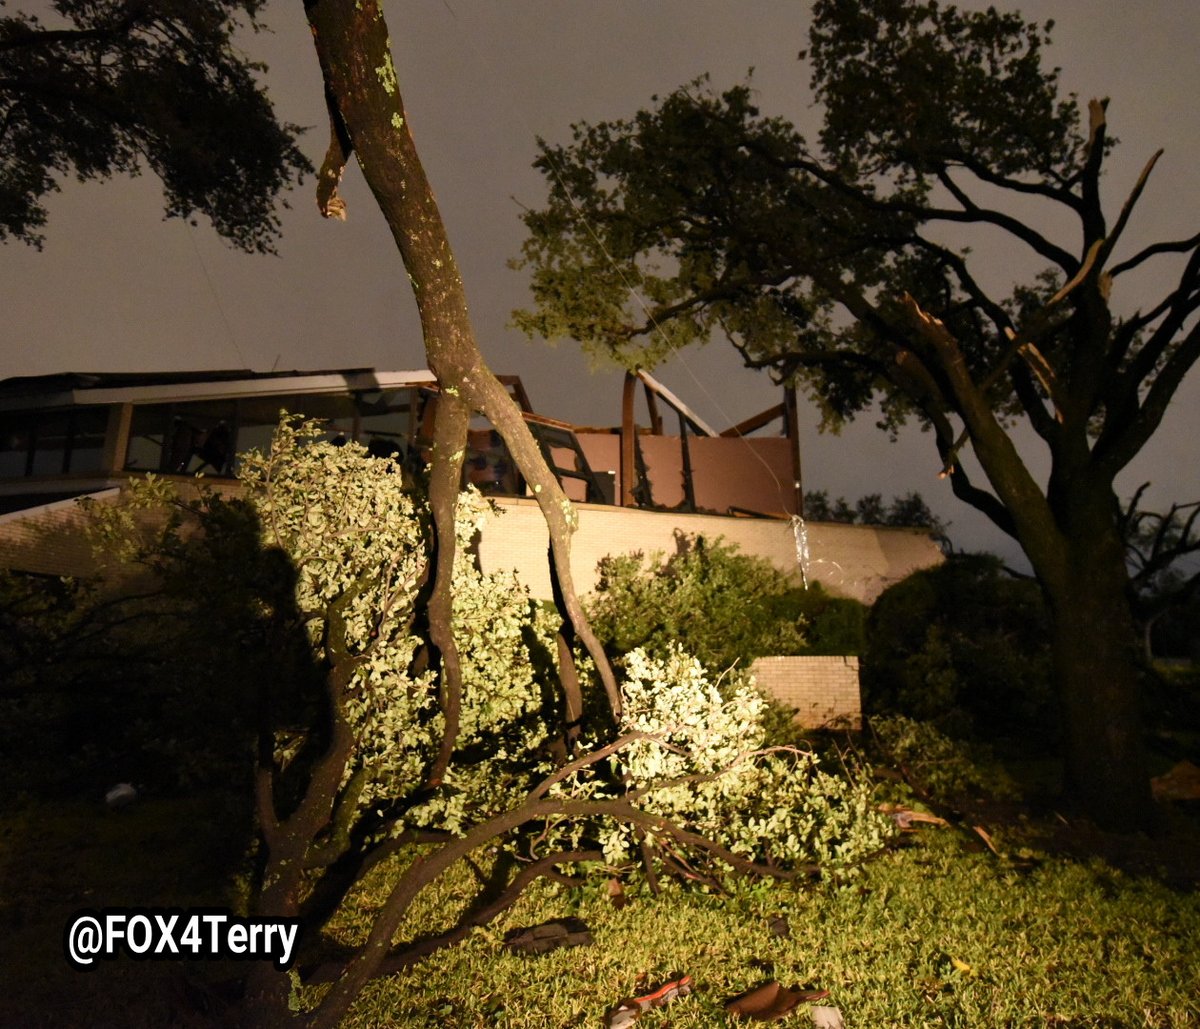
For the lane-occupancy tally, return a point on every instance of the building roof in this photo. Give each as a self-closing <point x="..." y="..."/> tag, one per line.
<point x="68" y="389"/>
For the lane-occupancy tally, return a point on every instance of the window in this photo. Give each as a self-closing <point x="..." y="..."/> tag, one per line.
<point x="52" y="442"/>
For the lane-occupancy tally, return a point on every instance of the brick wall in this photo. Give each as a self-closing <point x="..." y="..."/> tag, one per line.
<point x="49" y="540"/>
<point x="823" y="690"/>
<point x="851" y="560"/>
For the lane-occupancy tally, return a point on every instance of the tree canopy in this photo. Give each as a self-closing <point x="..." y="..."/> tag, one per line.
<point x="123" y="84"/>
<point x="840" y="264"/>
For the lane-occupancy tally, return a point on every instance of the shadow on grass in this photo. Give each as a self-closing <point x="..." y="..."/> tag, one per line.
<point x="164" y="684"/>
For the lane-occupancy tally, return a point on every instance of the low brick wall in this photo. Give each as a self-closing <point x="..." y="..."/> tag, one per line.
<point x="50" y="540"/>
<point x="858" y="561"/>
<point x="823" y="690"/>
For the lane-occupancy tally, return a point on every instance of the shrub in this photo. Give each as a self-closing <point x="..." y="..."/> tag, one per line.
<point x="722" y="606"/>
<point x="965" y="647"/>
<point x="941" y="768"/>
<point x="706" y="765"/>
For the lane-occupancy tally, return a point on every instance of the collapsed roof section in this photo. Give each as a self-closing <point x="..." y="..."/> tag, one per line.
<point x="64" y="435"/>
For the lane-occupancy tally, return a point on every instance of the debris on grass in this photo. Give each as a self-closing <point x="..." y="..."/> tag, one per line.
<point x="631" y="1009"/>
<point x="827" y="1018"/>
<point x="616" y="893"/>
<point x="548" y="936"/>
<point x="1182" y="782"/>
<point x="780" y="927"/>
<point x="121" y="795"/>
<point x="907" y="819"/>
<point x="771" y="1001"/>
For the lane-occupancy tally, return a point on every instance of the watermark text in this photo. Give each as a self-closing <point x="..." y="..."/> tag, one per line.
<point x="179" y="935"/>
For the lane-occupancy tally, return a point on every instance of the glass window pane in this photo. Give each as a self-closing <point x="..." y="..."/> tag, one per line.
<point x="15" y="433"/>
<point x="88" y="431"/>
<point x="52" y="431"/>
<point x="148" y="430"/>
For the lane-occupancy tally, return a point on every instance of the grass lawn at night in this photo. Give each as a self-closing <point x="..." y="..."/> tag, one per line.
<point x="936" y="932"/>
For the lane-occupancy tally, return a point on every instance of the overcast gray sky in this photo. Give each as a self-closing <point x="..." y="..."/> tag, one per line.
<point x="117" y="288"/>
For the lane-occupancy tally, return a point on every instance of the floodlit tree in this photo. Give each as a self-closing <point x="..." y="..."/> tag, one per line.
<point x="840" y="264"/>
<point x="408" y="734"/>
<point x="314" y="635"/>
<point x="116" y="84"/>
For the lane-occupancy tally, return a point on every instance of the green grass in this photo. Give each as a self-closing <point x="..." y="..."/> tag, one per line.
<point x="931" y="935"/>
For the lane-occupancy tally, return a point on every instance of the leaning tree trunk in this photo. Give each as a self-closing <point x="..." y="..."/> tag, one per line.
<point x="368" y="118"/>
<point x="1069" y="533"/>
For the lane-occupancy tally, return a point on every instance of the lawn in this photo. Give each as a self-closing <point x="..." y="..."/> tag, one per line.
<point x="938" y="932"/>
<point x="935" y="933"/>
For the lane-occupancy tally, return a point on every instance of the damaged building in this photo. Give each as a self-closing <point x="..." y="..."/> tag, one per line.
<point x="638" y="485"/>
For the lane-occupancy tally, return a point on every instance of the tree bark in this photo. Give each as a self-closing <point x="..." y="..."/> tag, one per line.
<point x="1098" y="668"/>
<point x="1070" y="534"/>
<point x="368" y="118"/>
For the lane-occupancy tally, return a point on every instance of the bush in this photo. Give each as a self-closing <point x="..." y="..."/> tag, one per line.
<point x="964" y="647"/>
<point x="724" y="607"/>
<point x="940" y="768"/>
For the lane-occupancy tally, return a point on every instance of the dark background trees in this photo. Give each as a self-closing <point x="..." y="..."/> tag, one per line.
<point x="843" y="264"/>
<point x="966" y="648"/>
<point x="118" y="85"/>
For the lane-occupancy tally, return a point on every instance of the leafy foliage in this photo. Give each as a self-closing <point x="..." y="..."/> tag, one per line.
<point x="941" y="768"/>
<point x="724" y="607"/>
<point x="146" y="674"/>
<point x="707" y="749"/>
<point x="850" y="266"/>
<point x="124" y="82"/>
<point x="964" y="647"/>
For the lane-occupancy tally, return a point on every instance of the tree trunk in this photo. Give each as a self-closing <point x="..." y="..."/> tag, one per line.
<point x="1098" y="672"/>
<point x="368" y="118"/>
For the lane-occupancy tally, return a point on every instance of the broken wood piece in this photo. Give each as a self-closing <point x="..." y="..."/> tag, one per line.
<point x="987" y="839"/>
<point x="548" y="936"/>
<point x="827" y="1018"/>
<point x="907" y="819"/>
<point x="631" y="1009"/>
<point x="1182" y="782"/>
<point x="771" y="1001"/>
<point x="616" y="893"/>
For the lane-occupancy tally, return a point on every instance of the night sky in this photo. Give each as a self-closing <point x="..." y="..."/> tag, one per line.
<point x="117" y="288"/>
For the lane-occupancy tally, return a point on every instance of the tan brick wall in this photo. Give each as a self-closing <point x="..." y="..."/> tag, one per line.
<point x="851" y="560"/>
<point x="823" y="690"/>
<point x="50" y="539"/>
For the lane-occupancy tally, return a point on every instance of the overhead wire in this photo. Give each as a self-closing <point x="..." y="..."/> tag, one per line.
<point x="212" y="289"/>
